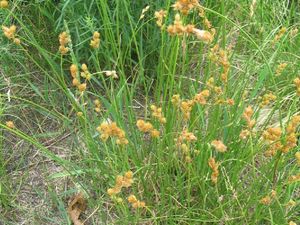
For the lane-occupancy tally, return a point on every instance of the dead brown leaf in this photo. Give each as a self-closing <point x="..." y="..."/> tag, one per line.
<point x="76" y="207"/>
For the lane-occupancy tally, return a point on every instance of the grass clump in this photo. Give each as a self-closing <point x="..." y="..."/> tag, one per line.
<point x="175" y="113"/>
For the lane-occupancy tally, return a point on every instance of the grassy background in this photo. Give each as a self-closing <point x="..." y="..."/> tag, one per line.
<point x="53" y="154"/>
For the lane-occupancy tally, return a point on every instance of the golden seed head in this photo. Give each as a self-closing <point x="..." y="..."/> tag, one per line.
<point x="155" y="133"/>
<point x="10" y="124"/>
<point x="119" y="200"/>
<point x="96" y="35"/>
<point x="97" y="102"/>
<point x="9" y="32"/>
<point x="185" y="6"/>
<point x="79" y="114"/>
<point x="297" y="82"/>
<point x="129" y="174"/>
<point x="175" y="100"/>
<point x="63" y="38"/>
<point x="119" y="180"/>
<point x="13" y="28"/>
<point x="75" y="82"/>
<point x="73" y="70"/>
<point x="219" y="146"/>
<point x="82" y="87"/>
<point x="4" y="4"/>
<point x="110" y="191"/>
<point x="244" y="134"/>
<point x="160" y="15"/>
<point x="265" y="200"/>
<point x="84" y="67"/>
<point x="17" y="41"/>
<point x="142" y="204"/>
<point x="112" y="130"/>
<point x="63" y="50"/>
<point x="132" y="199"/>
<point x="153" y="107"/>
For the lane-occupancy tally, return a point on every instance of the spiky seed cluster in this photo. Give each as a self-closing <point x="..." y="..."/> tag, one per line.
<point x="95" y="42"/>
<point x="85" y="72"/>
<point x="215" y="172"/>
<point x="185" y="6"/>
<point x="272" y="136"/>
<point x="267" y="99"/>
<point x="183" y="141"/>
<point x="160" y="15"/>
<point x="74" y="74"/>
<point x="97" y="104"/>
<point x="176" y="100"/>
<point x="177" y="28"/>
<point x="186" y="136"/>
<point x="111" y="73"/>
<point x="79" y="114"/>
<point x="82" y="87"/>
<point x="250" y="123"/>
<point x="291" y="136"/>
<point x="147" y="127"/>
<point x="125" y="181"/>
<point x="219" y="145"/>
<point x="297" y="84"/>
<point x="278" y="141"/>
<point x="112" y="130"/>
<point x="186" y="108"/>
<point x="135" y="202"/>
<point x="157" y="113"/>
<point x="247" y="116"/>
<point x="10" y="124"/>
<point x="201" y="97"/>
<point x="279" y="35"/>
<point x="220" y="57"/>
<point x="73" y="70"/>
<point x="280" y="68"/>
<point x="10" y="32"/>
<point x="230" y="101"/>
<point x="265" y="200"/>
<point x="244" y="134"/>
<point x="121" y="181"/>
<point x="4" y="4"/>
<point x="64" y="40"/>
<point x="268" y="198"/>
<point x="76" y="80"/>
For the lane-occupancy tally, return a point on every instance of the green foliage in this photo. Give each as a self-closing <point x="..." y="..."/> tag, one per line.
<point x="152" y="67"/>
